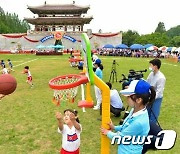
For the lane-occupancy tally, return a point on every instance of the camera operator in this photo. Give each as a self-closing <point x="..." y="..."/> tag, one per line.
<point x="156" y="79"/>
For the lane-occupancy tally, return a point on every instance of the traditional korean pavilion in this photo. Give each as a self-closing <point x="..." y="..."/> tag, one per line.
<point x="60" y="17"/>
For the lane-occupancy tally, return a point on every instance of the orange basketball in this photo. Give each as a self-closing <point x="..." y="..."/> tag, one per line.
<point x="7" y="84"/>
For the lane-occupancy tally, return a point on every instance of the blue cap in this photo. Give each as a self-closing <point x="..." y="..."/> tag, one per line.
<point x="98" y="61"/>
<point x="137" y="87"/>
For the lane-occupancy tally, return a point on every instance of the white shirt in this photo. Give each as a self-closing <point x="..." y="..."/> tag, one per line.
<point x="115" y="99"/>
<point x="28" y="73"/>
<point x="158" y="81"/>
<point x="70" y="138"/>
<point x="4" y="71"/>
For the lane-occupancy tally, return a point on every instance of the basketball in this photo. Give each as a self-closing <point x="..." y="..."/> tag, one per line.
<point x="7" y="84"/>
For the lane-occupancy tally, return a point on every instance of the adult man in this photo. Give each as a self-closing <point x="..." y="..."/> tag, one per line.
<point x="156" y="79"/>
<point x="116" y="104"/>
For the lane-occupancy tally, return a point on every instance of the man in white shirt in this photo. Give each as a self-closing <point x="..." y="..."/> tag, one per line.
<point x="156" y="79"/>
<point x="116" y="104"/>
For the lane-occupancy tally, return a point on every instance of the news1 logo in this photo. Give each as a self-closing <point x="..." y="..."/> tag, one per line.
<point x="168" y="139"/>
<point x="162" y="143"/>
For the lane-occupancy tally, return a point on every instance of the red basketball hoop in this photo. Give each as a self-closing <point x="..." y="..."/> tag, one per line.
<point x="65" y="87"/>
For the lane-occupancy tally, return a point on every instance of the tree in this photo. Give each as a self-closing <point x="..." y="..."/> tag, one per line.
<point x="129" y="37"/>
<point x="1" y="10"/>
<point x="158" y="39"/>
<point x="10" y="23"/>
<point x="144" y="39"/>
<point x="175" y="42"/>
<point x="174" y="31"/>
<point x="160" y="28"/>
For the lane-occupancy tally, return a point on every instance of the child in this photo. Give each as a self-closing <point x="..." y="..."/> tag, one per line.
<point x="4" y="69"/>
<point x="70" y="131"/>
<point x="2" y="63"/>
<point x="29" y="77"/>
<point x="10" y="65"/>
<point x="98" y="72"/>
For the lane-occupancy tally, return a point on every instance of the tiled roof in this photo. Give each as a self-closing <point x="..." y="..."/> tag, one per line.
<point x="58" y="9"/>
<point x="58" y="20"/>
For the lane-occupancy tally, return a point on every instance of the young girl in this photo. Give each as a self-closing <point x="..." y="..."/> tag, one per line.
<point x="136" y="124"/>
<point x="98" y="72"/>
<point x="29" y="77"/>
<point x="70" y="131"/>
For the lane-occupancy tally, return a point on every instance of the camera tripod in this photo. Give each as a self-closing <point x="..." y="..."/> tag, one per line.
<point x="113" y="72"/>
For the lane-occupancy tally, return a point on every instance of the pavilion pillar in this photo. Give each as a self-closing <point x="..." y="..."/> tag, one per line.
<point x="53" y="28"/>
<point x="43" y="28"/>
<point x="73" y="28"/>
<point x="81" y="27"/>
<point x="36" y="29"/>
<point x="65" y="28"/>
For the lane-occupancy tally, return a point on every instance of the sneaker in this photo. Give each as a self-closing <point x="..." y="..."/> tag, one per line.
<point x="121" y="121"/>
<point x="123" y="109"/>
<point x="96" y="108"/>
<point x="117" y="115"/>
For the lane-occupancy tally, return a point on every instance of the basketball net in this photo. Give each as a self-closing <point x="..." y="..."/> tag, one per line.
<point x="66" y="88"/>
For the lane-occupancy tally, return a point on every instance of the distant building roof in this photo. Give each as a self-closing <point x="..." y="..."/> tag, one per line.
<point x="59" y="20"/>
<point x="58" y="9"/>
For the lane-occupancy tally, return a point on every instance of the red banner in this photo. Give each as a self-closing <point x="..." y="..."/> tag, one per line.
<point x="14" y="35"/>
<point x="105" y="34"/>
<point x="34" y="41"/>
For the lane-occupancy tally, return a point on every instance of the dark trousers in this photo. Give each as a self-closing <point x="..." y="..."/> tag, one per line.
<point x="115" y="111"/>
<point x="154" y="130"/>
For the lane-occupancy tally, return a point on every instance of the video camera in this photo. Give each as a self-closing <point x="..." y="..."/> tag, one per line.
<point x="133" y="75"/>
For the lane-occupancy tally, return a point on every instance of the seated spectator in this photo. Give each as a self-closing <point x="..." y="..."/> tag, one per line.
<point x="80" y="65"/>
<point x="179" y="58"/>
<point x="116" y="104"/>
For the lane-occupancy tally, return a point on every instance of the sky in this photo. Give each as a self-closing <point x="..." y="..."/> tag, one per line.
<point x="142" y="16"/>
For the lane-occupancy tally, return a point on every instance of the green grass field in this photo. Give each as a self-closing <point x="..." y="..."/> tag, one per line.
<point x="27" y="117"/>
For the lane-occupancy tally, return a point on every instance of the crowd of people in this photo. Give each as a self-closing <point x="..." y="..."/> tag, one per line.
<point x="137" y="53"/>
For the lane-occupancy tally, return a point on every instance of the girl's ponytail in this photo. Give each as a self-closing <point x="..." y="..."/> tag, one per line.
<point x="152" y="95"/>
